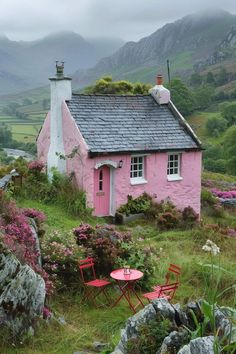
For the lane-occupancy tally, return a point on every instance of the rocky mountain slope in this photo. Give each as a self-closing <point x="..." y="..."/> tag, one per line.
<point x="226" y="50"/>
<point x="184" y="42"/>
<point x="25" y="65"/>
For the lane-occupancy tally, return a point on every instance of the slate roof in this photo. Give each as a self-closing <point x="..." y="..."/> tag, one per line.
<point x="112" y="124"/>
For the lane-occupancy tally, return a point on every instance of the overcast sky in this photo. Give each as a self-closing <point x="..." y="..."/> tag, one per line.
<point x="127" y="19"/>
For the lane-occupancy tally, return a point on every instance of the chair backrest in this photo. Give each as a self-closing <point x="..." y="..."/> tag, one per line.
<point x="86" y="267"/>
<point x="168" y="290"/>
<point x="173" y="273"/>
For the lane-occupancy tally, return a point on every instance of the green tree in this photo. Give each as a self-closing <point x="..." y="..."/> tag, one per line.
<point x="215" y="126"/>
<point x="5" y="135"/>
<point x="210" y="79"/>
<point x="228" y="112"/>
<point x="230" y="149"/>
<point x="11" y="108"/>
<point x="27" y="102"/>
<point x="195" y="79"/>
<point x="222" y="77"/>
<point x="203" y="96"/>
<point x="182" y="97"/>
<point x="107" y="86"/>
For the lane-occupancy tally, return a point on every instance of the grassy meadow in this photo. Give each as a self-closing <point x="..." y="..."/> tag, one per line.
<point x="33" y="105"/>
<point x="76" y="326"/>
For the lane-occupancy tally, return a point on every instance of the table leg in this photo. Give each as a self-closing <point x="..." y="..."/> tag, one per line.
<point x="126" y="291"/>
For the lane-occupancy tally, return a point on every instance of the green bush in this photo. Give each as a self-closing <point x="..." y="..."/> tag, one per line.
<point x="150" y="337"/>
<point x="215" y="126"/>
<point x="112" y="249"/>
<point x="60" y="190"/>
<point x="169" y="220"/>
<point x="207" y="198"/>
<point x="137" y="205"/>
<point x="213" y="165"/>
<point x="60" y="258"/>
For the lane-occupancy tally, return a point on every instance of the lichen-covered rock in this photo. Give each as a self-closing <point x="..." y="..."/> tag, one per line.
<point x="174" y="341"/>
<point x="164" y="308"/>
<point x="34" y="231"/>
<point x="22" y="294"/>
<point x="131" y="329"/>
<point x="203" y="345"/>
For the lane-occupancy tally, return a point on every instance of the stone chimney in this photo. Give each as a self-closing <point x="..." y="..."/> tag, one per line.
<point x="159" y="92"/>
<point x="60" y="91"/>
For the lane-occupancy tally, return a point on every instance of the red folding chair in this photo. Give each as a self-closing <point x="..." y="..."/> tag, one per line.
<point x="93" y="286"/>
<point x="172" y="275"/>
<point x="166" y="291"/>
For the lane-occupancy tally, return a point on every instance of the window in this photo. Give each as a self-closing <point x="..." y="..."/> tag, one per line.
<point x="173" y="167"/>
<point x="137" y="170"/>
<point x="100" y="180"/>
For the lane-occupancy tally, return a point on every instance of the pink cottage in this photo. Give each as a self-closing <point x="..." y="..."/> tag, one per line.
<point x="123" y="145"/>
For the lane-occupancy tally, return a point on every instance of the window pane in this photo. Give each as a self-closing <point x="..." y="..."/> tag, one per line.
<point x="173" y="165"/>
<point x="137" y="167"/>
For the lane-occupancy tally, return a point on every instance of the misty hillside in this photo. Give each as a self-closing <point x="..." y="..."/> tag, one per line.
<point x="184" y="42"/>
<point x="25" y="65"/>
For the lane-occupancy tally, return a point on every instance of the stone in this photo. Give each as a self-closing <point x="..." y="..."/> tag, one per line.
<point x="180" y="316"/>
<point x="22" y="294"/>
<point x="34" y="231"/>
<point x="131" y="329"/>
<point x="222" y="323"/>
<point x="164" y="308"/>
<point x="174" y="341"/>
<point x="202" y="345"/>
<point x="98" y="346"/>
<point x="62" y="320"/>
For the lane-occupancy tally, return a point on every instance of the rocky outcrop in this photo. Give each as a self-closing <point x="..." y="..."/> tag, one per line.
<point x="181" y="319"/>
<point x="22" y="294"/>
<point x="226" y="49"/>
<point x="203" y="345"/>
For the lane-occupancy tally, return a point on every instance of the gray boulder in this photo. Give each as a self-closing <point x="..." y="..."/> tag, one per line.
<point x="131" y="329"/>
<point x="164" y="308"/>
<point x="173" y="342"/>
<point x="203" y="345"/>
<point x="22" y="294"/>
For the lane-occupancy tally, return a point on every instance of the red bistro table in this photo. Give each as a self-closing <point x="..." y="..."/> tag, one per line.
<point x="126" y="284"/>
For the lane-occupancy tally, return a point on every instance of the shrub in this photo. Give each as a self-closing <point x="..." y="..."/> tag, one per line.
<point x="189" y="217"/>
<point x="103" y="243"/>
<point x="207" y="198"/>
<point x="168" y="220"/>
<point x="17" y="235"/>
<point x="60" y="190"/>
<point x="36" y="165"/>
<point x="137" y="205"/>
<point x="111" y="248"/>
<point x="35" y="214"/>
<point x="150" y="337"/>
<point x="60" y="258"/>
<point x="214" y="165"/>
<point x="215" y="126"/>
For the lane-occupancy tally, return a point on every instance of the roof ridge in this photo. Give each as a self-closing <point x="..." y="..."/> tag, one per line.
<point x="110" y="94"/>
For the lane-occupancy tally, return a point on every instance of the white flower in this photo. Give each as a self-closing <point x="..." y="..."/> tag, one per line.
<point x="210" y="246"/>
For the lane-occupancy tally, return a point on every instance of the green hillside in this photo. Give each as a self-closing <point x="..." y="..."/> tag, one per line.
<point x="31" y="109"/>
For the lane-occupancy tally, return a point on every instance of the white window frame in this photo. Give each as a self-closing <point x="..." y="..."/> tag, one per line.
<point x="176" y="175"/>
<point x="138" y="179"/>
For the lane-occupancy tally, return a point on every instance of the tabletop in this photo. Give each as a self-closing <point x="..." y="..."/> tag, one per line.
<point x="118" y="274"/>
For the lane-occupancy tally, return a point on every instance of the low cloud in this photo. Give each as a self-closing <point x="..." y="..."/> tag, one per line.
<point x="127" y="19"/>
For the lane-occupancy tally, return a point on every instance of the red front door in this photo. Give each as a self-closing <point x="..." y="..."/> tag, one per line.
<point x="102" y="191"/>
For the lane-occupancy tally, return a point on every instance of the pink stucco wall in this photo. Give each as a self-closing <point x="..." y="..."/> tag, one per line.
<point x="183" y="193"/>
<point x="43" y="140"/>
